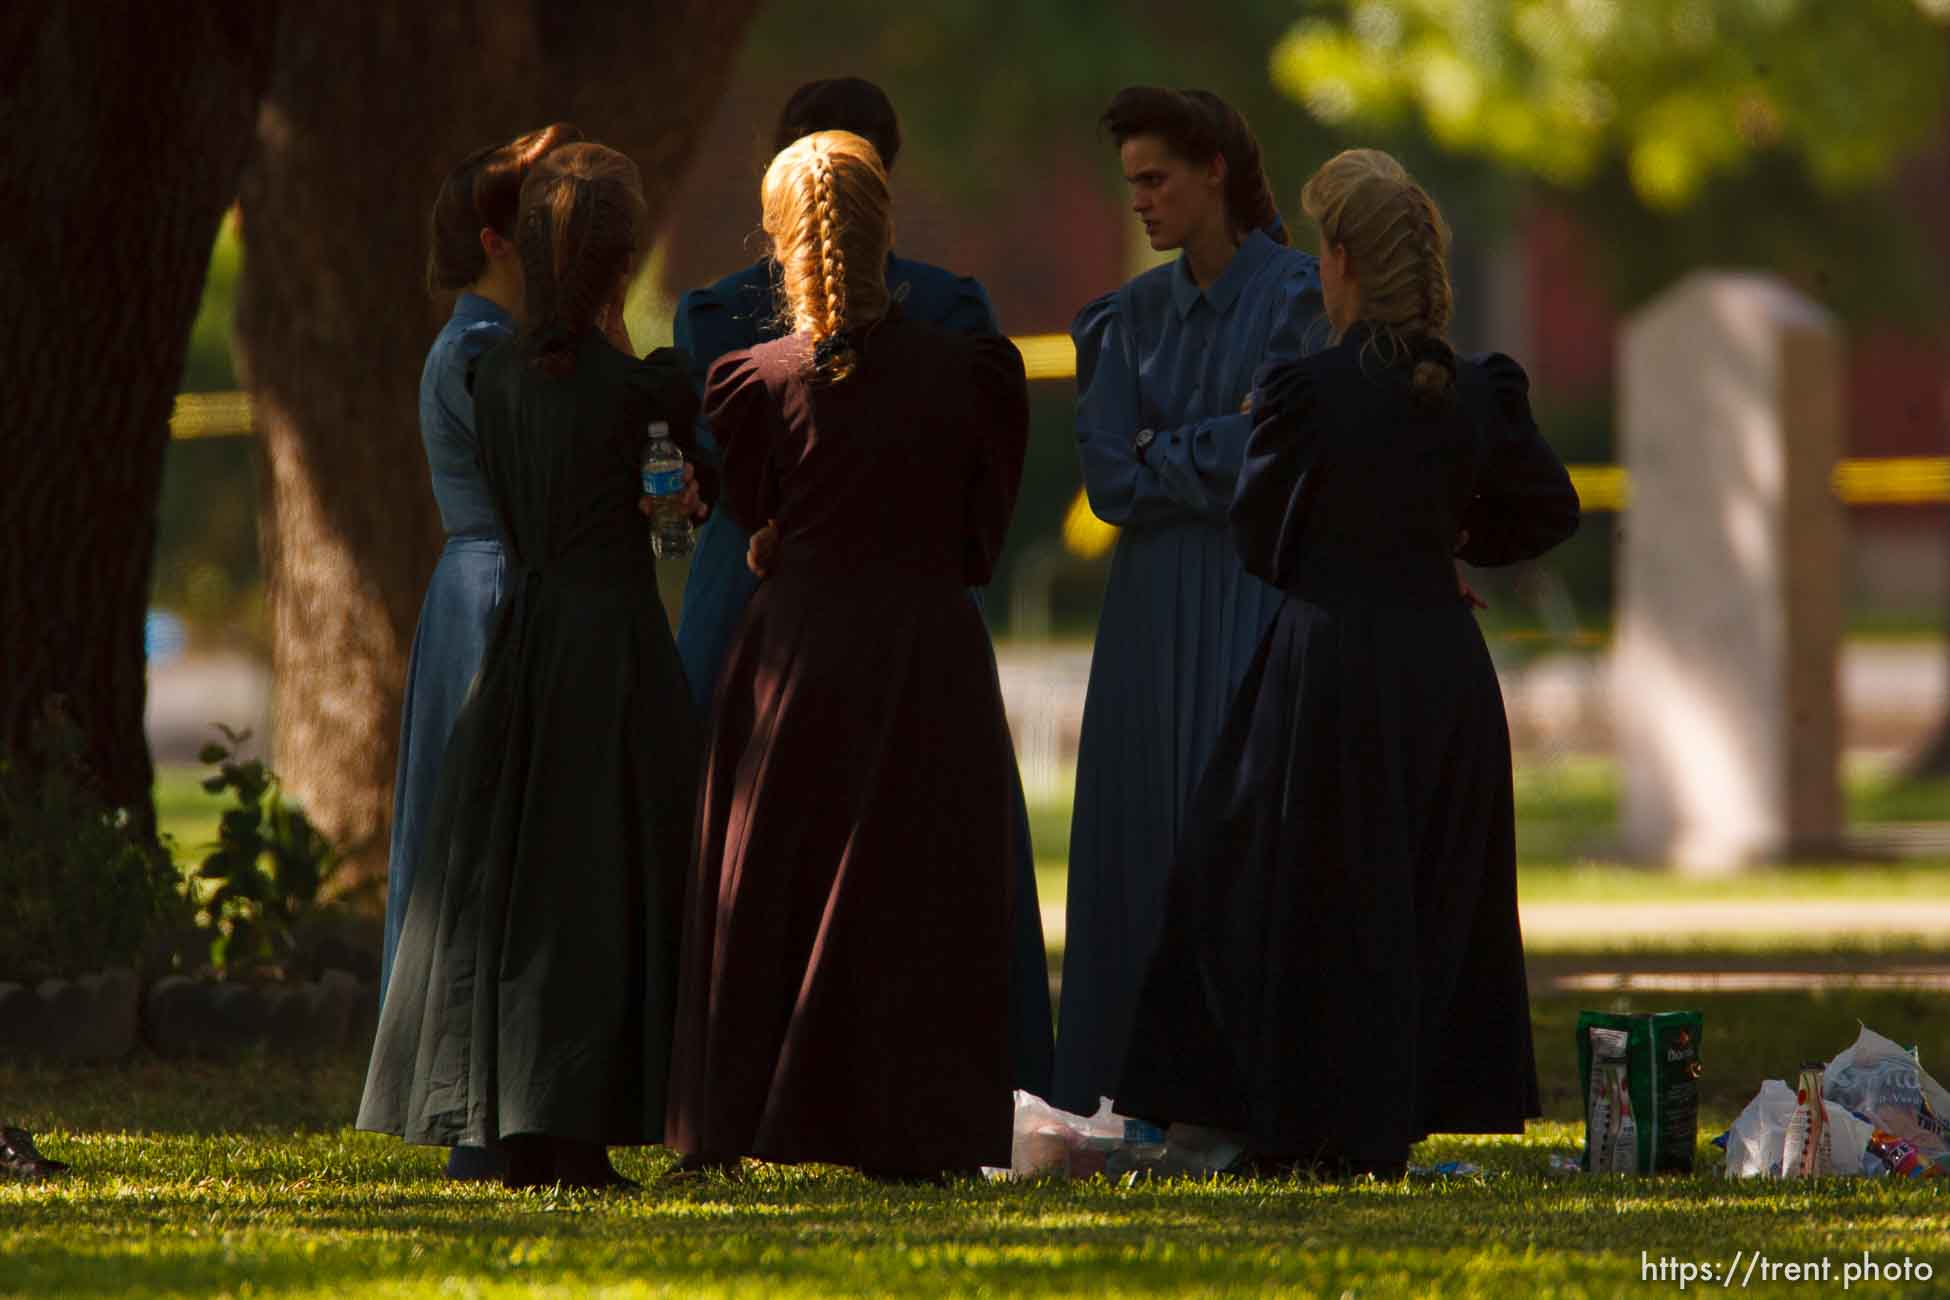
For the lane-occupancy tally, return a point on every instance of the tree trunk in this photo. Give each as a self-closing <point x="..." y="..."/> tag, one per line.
<point x="365" y="116"/>
<point x="128" y="130"/>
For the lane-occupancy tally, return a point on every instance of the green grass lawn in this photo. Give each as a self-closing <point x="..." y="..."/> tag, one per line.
<point x="185" y="812"/>
<point x="1566" y="808"/>
<point x="243" y="1179"/>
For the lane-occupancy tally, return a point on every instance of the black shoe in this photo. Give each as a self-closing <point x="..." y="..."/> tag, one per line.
<point x="586" y="1165"/>
<point x="476" y="1164"/>
<point x="531" y="1161"/>
<point x="19" y="1159"/>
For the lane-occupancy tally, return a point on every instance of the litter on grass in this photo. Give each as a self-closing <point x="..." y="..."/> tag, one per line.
<point x="1879" y="1113"/>
<point x="1055" y="1143"/>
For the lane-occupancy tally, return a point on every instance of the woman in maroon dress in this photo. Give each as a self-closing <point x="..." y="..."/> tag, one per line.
<point x="844" y="996"/>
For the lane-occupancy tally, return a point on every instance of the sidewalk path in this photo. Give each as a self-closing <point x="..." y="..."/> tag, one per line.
<point x="1710" y="923"/>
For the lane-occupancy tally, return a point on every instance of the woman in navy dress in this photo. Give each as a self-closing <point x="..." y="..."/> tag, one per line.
<point x="845" y="996"/>
<point x="1163" y="366"/>
<point x="472" y="255"/>
<point x="1341" y="971"/>
<point x="743" y="310"/>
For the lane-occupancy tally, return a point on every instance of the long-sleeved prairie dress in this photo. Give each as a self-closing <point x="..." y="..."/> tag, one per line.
<point x="846" y="970"/>
<point x="1181" y="617"/>
<point x="1340" y="971"/>
<point x="742" y="311"/>
<point x="461" y="594"/>
<point x="536" y="975"/>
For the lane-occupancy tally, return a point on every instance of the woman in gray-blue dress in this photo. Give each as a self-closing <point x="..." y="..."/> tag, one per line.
<point x="1163" y="365"/>
<point x="472" y="254"/>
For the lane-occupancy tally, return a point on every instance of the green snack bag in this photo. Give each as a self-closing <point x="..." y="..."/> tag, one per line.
<point x="1660" y="1054"/>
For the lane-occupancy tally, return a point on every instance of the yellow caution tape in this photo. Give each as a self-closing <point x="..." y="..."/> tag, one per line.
<point x="1084" y="534"/>
<point x="1047" y="356"/>
<point x="211" y="415"/>
<point x="1880" y="481"/>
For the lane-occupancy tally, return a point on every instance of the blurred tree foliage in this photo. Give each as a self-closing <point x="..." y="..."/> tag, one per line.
<point x="1684" y="131"/>
<point x="207" y="368"/>
<point x="985" y="88"/>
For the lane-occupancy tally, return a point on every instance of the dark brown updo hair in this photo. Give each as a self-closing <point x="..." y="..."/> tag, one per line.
<point x="841" y="104"/>
<point x="1198" y="126"/>
<point x="580" y="233"/>
<point x="1398" y="249"/>
<point x="483" y="191"/>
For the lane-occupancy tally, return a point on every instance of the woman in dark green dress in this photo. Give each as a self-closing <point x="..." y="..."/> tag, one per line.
<point x="530" y="1003"/>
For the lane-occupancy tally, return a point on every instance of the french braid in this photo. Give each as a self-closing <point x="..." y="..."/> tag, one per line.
<point x="839" y="358"/>
<point x="1398" y="250"/>
<point x="827" y="212"/>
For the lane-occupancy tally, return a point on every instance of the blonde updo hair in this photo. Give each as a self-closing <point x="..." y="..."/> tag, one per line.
<point x="830" y="220"/>
<point x="1398" y="249"/>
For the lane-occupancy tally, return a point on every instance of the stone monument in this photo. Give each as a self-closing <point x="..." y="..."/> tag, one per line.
<point x="1730" y="575"/>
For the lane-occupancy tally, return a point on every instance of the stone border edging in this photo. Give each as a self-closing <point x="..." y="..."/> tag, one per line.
<point x="102" y="1017"/>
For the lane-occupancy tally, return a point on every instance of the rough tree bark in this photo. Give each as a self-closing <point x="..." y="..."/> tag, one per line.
<point x="128" y="129"/>
<point x="364" y="116"/>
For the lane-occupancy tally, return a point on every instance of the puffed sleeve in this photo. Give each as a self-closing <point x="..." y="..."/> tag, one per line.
<point x="1107" y="415"/>
<point x="1524" y="502"/>
<point x="706" y="326"/>
<point x="1000" y="423"/>
<point x="1283" y="468"/>
<point x="700" y="319"/>
<point x="454" y="384"/>
<point x="970" y="311"/>
<point x="660" y="389"/>
<point x="740" y="408"/>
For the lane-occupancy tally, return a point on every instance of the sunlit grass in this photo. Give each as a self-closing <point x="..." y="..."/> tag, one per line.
<point x="186" y="812"/>
<point x="244" y="1179"/>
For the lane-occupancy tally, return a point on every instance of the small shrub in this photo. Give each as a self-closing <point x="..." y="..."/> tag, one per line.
<point x="81" y="888"/>
<point x="268" y="867"/>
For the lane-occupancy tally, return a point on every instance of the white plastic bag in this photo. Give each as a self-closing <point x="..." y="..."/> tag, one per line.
<point x="1755" y="1141"/>
<point x="1052" y="1142"/>
<point x="1879" y="1080"/>
<point x="1049" y="1141"/>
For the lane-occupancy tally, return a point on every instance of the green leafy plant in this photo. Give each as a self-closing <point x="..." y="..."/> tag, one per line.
<point x="268" y="867"/>
<point x="81" y="887"/>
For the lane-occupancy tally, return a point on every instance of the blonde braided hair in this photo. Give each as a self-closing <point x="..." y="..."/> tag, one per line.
<point x="1398" y="250"/>
<point x="830" y="220"/>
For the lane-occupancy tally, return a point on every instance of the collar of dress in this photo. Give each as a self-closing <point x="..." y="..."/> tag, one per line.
<point x="1251" y="254"/>
<point x="473" y="308"/>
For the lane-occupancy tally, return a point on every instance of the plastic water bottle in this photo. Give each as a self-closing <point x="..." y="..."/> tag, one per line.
<point x="671" y="534"/>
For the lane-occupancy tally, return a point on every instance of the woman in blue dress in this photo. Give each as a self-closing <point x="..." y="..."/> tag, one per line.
<point x="1163" y="366"/>
<point x="1341" y="971"/>
<point x="743" y="310"/>
<point x="472" y="255"/>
